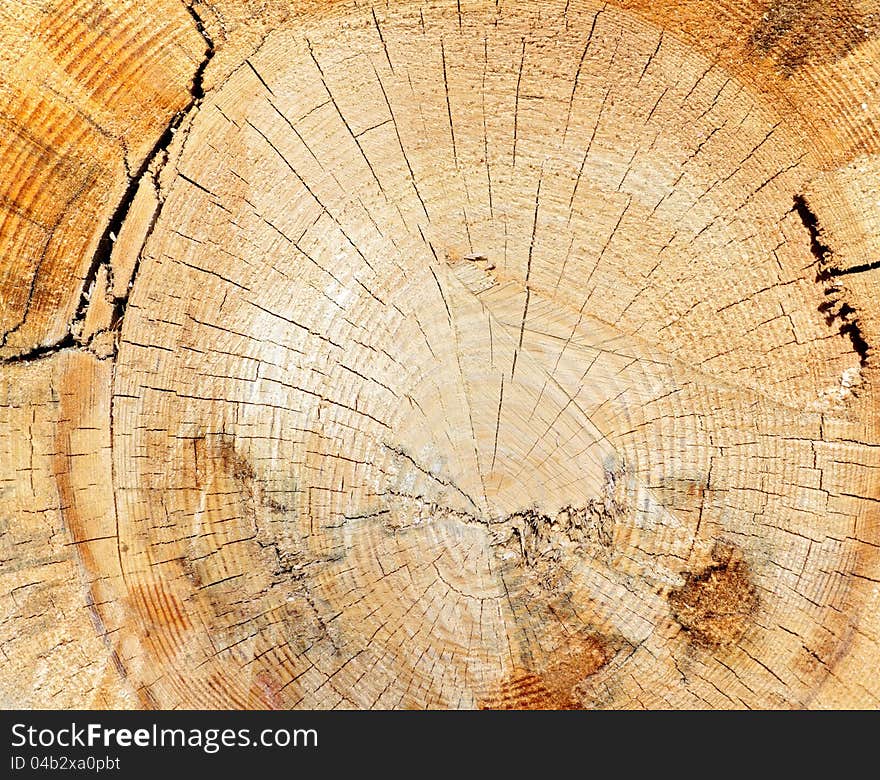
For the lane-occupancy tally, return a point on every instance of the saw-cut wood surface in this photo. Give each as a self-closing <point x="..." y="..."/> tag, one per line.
<point x="441" y="354"/>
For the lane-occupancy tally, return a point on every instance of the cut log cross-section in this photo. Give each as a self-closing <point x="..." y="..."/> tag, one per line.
<point x="452" y="355"/>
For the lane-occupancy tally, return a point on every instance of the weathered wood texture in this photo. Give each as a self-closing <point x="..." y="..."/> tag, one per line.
<point x="442" y="354"/>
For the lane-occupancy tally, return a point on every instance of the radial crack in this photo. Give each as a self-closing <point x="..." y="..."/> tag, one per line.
<point x="158" y="155"/>
<point x="834" y="308"/>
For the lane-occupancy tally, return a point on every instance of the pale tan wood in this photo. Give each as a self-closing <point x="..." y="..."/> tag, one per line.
<point x="56" y="635"/>
<point x="459" y="355"/>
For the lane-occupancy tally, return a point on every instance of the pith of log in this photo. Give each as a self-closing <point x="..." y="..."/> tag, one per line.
<point x="442" y="354"/>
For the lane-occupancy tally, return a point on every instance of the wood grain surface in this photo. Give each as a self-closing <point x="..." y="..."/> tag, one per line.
<point x="439" y="355"/>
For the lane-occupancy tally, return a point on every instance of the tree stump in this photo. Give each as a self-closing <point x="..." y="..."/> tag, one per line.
<point x="443" y="354"/>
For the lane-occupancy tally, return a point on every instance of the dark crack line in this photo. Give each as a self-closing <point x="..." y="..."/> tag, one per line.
<point x="855" y="269"/>
<point x="834" y="308"/>
<point x="821" y="251"/>
<point x="104" y="248"/>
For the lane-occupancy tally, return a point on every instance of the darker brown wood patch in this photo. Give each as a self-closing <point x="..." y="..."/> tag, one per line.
<point x="160" y="608"/>
<point x="795" y="33"/>
<point x="556" y="687"/>
<point x="715" y="606"/>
